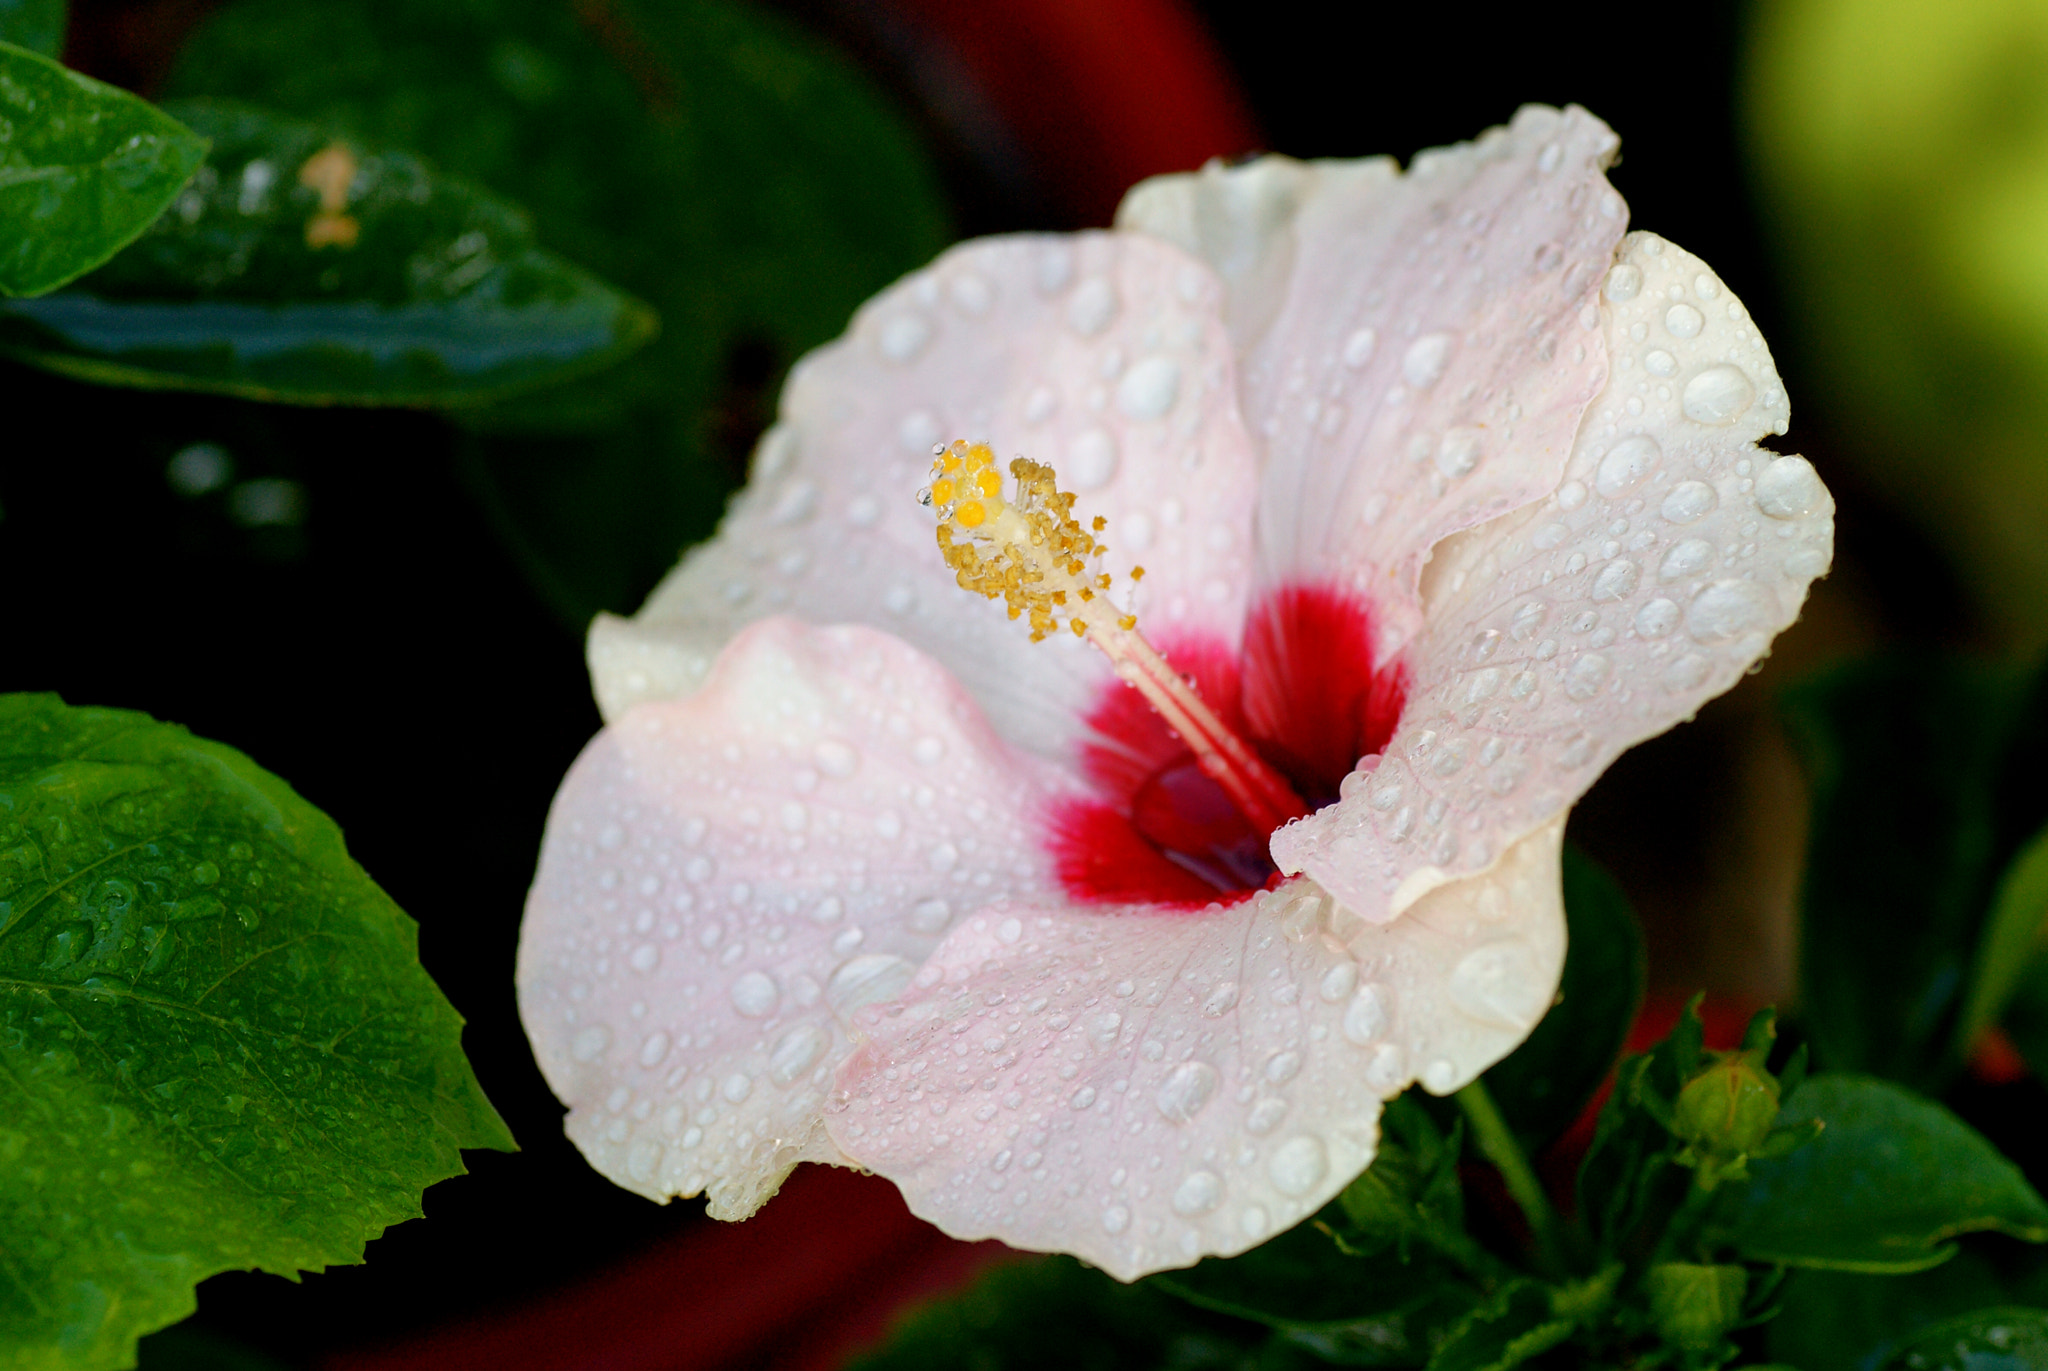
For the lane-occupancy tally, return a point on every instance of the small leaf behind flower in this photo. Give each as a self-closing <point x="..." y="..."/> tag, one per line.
<point x="2004" y="1339"/>
<point x="218" y="1048"/>
<point x="83" y="169"/>
<point x="312" y="269"/>
<point x="1544" y="1084"/>
<point x="1887" y="1185"/>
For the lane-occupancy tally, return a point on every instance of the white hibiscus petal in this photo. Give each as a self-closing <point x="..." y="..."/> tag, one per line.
<point x="1144" y="1089"/>
<point x="1432" y="351"/>
<point x="727" y="878"/>
<point x="1103" y="354"/>
<point x="1561" y="635"/>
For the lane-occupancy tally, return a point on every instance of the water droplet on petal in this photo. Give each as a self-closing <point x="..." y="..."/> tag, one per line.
<point x="1625" y="465"/>
<point x="589" y="1042"/>
<point x="1689" y="502"/>
<point x="1366" y="1017"/>
<point x="796" y="1052"/>
<point x="1726" y="610"/>
<point x="1338" y="981"/>
<point x="1298" y="1165"/>
<point x="1425" y="359"/>
<point x="1198" y="1193"/>
<point x="1788" y="488"/>
<point x="1500" y="983"/>
<point x="1717" y="395"/>
<point x="1186" y="1089"/>
<point x="755" y="994"/>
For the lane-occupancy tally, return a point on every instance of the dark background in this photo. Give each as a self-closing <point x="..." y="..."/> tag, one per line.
<point x="387" y="657"/>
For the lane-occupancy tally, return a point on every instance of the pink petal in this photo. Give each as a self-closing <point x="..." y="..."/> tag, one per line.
<point x="726" y="877"/>
<point x="1144" y="1089"/>
<point x="1416" y="350"/>
<point x="1565" y="633"/>
<point x="1104" y="354"/>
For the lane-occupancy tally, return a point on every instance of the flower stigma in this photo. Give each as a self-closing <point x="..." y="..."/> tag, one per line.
<point x="1030" y="552"/>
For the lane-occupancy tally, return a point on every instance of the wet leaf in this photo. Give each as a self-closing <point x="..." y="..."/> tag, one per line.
<point x="1842" y="1321"/>
<point x="717" y="161"/>
<point x="217" y="1046"/>
<point x="83" y="169"/>
<point x="1890" y="1182"/>
<point x="2002" y="1339"/>
<point x="302" y="267"/>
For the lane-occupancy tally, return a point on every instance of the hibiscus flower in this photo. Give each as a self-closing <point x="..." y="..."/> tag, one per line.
<point x="1445" y="492"/>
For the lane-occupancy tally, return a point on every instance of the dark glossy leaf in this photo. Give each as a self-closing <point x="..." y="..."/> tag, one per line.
<point x="1386" y="1310"/>
<point x="217" y="1045"/>
<point x="1892" y="1179"/>
<point x="1517" y="1323"/>
<point x="712" y="158"/>
<point x="1545" y="1083"/>
<point x="2002" y="1339"/>
<point x="37" y="25"/>
<point x="83" y="169"/>
<point x="1841" y="1321"/>
<point x="305" y="268"/>
<point x="1913" y="822"/>
<point x="1055" y="1312"/>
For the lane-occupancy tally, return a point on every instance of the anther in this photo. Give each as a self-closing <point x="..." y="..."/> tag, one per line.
<point x="1030" y="552"/>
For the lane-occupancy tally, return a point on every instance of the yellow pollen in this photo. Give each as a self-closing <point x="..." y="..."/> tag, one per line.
<point x="1032" y="554"/>
<point x="1137" y="573"/>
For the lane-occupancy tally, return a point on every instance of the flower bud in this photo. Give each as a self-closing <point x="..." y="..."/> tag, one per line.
<point x="1724" y="1113"/>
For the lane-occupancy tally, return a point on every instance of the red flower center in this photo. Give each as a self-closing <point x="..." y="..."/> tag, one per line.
<point x="1304" y="694"/>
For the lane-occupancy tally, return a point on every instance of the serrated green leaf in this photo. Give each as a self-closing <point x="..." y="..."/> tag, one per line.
<point x="37" y="25"/>
<point x="1544" y="1084"/>
<point x="714" y="159"/>
<point x="217" y="1045"/>
<point x="1998" y="1339"/>
<point x="1516" y="1324"/>
<point x="1888" y="1185"/>
<point x="302" y="267"/>
<point x="1029" y="1315"/>
<point x="83" y="169"/>
<point x="1913" y="821"/>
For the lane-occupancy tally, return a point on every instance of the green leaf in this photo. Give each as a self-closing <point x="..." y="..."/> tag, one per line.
<point x="714" y="159"/>
<point x="83" y="169"/>
<point x="2005" y="1339"/>
<point x="1517" y="1323"/>
<point x="304" y="268"/>
<point x="1056" y="1312"/>
<point x="2012" y="942"/>
<point x="37" y="25"/>
<point x="1545" y="1083"/>
<point x="1841" y="1321"/>
<point x="1913" y="821"/>
<point x="1892" y="1179"/>
<point x="1411" y="1193"/>
<point x="217" y="1046"/>
<point x="1378" y="1310"/>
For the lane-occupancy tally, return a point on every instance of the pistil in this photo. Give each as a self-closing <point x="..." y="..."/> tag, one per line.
<point x="1029" y="551"/>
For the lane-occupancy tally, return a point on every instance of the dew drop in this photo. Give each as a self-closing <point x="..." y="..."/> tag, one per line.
<point x="1338" y="981"/>
<point x="1425" y="359"/>
<point x="1366" y="1017"/>
<point x="1623" y="282"/>
<point x="654" y="1049"/>
<point x="1717" y="395"/>
<point x="1221" y="1000"/>
<point x="1500" y="984"/>
<point x="755" y="994"/>
<point x="1298" y="1165"/>
<point x="904" y="335"/>
<point x="1683" y="321"/>
<point x="1092" y="459"/>
<point x="1092" y="307"/>
<point x="737" y="1087"/>
<point x="1198" y="1193"/>
<point x="1616" y="581"/>
<point x="1689" y="502"/>
<point x="1656" y="618"/>
<point x="1625" y="465"/>
<point x="589" y="1042"/>
<point x="867" y="980"/>
<point x="1788" y="488"/>
<point x="1282" y="1067"/>
<point x="1359" y="347"/>
<point x="1186" y="1089"/>
<point x="1149" y="389"/>
<point x="796" y="1052"/>
<point x="1115" y="1219"/>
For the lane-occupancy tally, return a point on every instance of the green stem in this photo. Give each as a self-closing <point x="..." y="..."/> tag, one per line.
<point x="1498" y="1145"/>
